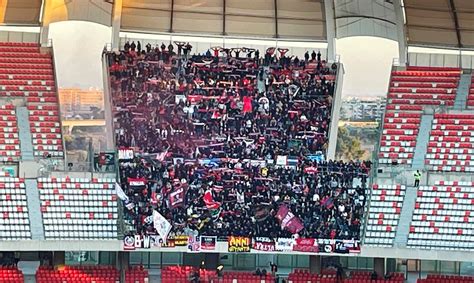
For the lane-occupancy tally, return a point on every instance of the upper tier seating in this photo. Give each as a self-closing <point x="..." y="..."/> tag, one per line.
<point x="440" y="278"/>
<point x="444" y="217"/>
<point x="451" y="145"/>
<point x="410" y="91"/>
<point x="78" y="208"/>
<point x="11" y="275"/>
<point x="26" y="72"/>
<point x="9" y="142"/>
<point x="385" y="208"/>
<point x="14" y="221"/>
<point x="79" y="274"/>
<point x="399" y="137"/>
<point x="470" y="97"/>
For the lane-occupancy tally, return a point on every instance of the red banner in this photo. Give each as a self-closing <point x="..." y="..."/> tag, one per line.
<point x="288" y="220"/>
<point x="306" y="245"/>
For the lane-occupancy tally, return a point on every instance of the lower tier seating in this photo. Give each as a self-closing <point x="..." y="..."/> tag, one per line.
<point x="11" y="275"/>
<point x="14" y="221"/>
<point x="136" y="274"/>
<point x="366" y="277"/>
<point x="443" y="217"/>
<point x="78" y="208"/>
<point x="384" y="213"/>
<point x="79" y="274"/>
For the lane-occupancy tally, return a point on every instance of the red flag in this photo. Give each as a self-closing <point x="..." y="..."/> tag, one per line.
<point x="288" y="220"/>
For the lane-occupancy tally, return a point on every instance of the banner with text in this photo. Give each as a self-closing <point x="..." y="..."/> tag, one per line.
<point x="239" y="244"/>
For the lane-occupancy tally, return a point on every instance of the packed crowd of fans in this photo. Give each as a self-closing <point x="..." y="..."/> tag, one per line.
<point x="227" y="137"/>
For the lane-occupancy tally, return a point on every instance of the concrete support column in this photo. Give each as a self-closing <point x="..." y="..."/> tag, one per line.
<point x="402" y="40"/>
<point x="315" y="264"/>
<point x="122" y="263"/>
<point x="330" y="29"/>
<point x="59" y="258"/>
<point x="379" y="266"/>
<point x="116" y="24"/>
<point x="44" y="33"/>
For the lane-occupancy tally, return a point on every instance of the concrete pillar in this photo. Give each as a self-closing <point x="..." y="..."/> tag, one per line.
<point x="315" y="264"/>
<point x="59" y="258"/>
<point x="44" y="36"/>
<point x="402" y="40"/>
<point x="116" y="24"/>
<point x="122" y="263"/>
<point x="379" y="266"/>
<point x="391" y="265"/>
<point x="330" y="30"/>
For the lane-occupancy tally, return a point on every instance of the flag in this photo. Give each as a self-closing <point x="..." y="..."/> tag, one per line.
<point x="162" y="226"/>
<point x="120" y="193"/>
<point x="161" y="156"/>
<point x="209" y="200"/>
<point x="288" y="220"/>
<point x="176" y="197"/>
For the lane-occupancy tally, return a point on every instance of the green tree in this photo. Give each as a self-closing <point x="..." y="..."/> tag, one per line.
<point x="348" y="147"/>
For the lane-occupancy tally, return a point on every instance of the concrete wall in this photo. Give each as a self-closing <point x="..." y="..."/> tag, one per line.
<point x="15" y="36"/>
<point x="336" y="110"/>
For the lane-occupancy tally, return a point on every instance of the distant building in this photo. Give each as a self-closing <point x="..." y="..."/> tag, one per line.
<point x="76" y="101"/>
<point x="363" y="109"/>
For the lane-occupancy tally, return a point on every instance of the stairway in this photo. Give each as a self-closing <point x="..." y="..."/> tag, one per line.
<point x="401" y="238"/>
<point x="24" y="133"/>
<point x="34" y="209"/>
<point x="462" y="92"/>
<point x="422" y="142"/>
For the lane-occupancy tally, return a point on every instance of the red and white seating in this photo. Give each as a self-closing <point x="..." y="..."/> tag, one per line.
<point x="451" y="144"/>
<point x="9" y="142"/>
<point x="136" y="274"/>
<point x="410" y="91"/>
<point x="304" y="275"/>
<point x="78" y="208"/>
<point x="25" y="72"/>
<point x="365" y="277"/>
<point x="82" y="274"/>
<point x="444" y="217"/>
<point x="175" y="273"/>
<point x="399" y="137"/>
<point x="441" y="278"/>
<point x="14" y="221"/>
<point x="421" y="86"/>
<point x="11" y="275"/>
<point x="384" y="213"/>
<point x="470" y="96"/>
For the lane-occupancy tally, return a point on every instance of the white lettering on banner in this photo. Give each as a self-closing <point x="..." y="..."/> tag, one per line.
<point x="142" y="241"/>
<point x="289" y="216"/>
<point x="125" y="154"/>
<point x="137" y="183"/>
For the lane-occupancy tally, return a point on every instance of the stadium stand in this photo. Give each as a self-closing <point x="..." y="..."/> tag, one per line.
<point x="410" y="91"/>
<point x="384" y="214"/>
<point x="224" y="117"/>
<point x="443" y="217"/>
<point x="26" y="72"/>
<point x="451" y="146"/>
<point x="303" y="275"/>
<point x="439" y="278"/>
<point x="9" y="142"/>
<point x="366" y="277"/>
<point x="14" y="222"/>
<point x="181" y="274"/>
<point x="83" y="274"/>
<point x="78" y="208"/>
<point x="11" y="275"/>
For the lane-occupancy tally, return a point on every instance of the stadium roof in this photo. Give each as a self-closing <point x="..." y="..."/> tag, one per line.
<point x="447" y="23"/>
<point x="440" y="22"/>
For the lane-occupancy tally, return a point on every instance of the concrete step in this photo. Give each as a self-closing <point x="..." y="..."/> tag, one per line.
<point x="462" y="92"/>
<point x="422" y="141"/>
<point x="403" y="228"/>
<point x="24" y="133"/>
<point x="34" y="209"/>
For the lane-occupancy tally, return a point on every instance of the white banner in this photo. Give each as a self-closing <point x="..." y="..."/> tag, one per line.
<point x="120" y="193"/>
<point x="162" y="226"/>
